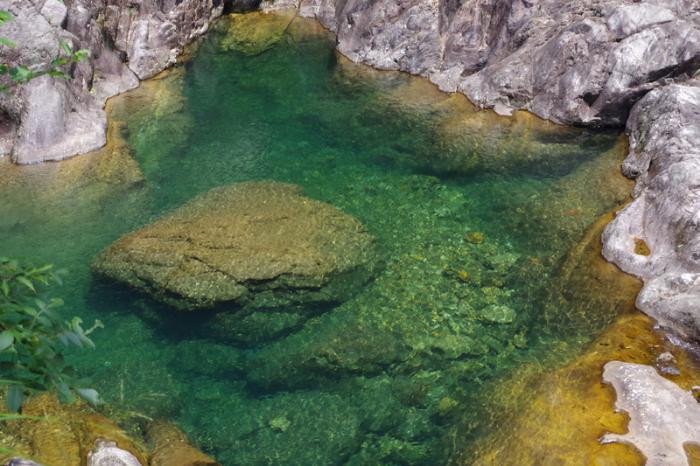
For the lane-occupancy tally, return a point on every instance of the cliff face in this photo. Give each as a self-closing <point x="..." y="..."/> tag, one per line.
<point x="51" y="119"/>
<point x="582" y="62"/>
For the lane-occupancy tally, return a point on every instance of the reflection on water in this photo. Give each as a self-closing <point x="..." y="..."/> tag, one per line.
<point x="475" y="215"/>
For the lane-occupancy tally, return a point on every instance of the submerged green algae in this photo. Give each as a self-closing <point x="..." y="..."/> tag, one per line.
<point x="384" y="377"/>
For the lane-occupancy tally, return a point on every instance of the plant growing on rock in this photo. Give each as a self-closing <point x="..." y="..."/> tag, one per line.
<point x="34" y="337"/>
<point x="16" y="74"/>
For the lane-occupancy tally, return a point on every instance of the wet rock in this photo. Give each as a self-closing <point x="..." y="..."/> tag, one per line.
<point x="498" y="314"/>
<point x="106" y="453"/>
<point x="21" y="462"/>
<point x="254" y="33"/>
<point x="257" y="245"/>
<point x="664" y="157"/>
<point x="666" y="363"/>
<point x="663" y="417"/>
<point x="61" y="435"/>
<point x="170" y="447"/>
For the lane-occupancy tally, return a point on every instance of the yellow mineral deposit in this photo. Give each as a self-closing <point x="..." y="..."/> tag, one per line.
<point x="558" y="417"/>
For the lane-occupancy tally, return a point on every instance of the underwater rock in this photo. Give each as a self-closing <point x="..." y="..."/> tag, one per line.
<point x="498" y="314"/>
<point x="106" y="453"/>
<point x="170" y="447"/>
<point x="254" y="33"/>
<point x="663" y="417"/>
<point x="474" y="237"/>
<point x="257" y="245"/>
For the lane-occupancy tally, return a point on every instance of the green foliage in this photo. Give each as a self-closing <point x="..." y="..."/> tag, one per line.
<point x="20" y="74"/>
<point x="33" y="337"/>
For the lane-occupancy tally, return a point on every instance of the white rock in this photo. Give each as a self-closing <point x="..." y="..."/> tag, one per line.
<point x="663" y="417"/>
<point x="106" y="453"/>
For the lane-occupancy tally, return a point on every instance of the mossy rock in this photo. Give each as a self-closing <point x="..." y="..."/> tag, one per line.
<point x="254" y="33"/>
<point x="253" y="245"/>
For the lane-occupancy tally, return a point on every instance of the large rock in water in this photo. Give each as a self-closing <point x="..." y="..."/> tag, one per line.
<point x="255" y="245"/>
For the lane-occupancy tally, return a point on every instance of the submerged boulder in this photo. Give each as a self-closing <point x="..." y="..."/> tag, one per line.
<point x="254" y="245"/>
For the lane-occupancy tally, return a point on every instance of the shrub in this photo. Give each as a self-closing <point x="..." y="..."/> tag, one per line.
<point x="34" y="337"/>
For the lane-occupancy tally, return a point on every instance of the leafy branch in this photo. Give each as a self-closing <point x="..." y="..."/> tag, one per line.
<point x="33" y="337"/>
<point x="20" y="74"/>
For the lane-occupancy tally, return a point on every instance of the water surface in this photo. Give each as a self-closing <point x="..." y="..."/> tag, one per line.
<point x="475" y="215"/>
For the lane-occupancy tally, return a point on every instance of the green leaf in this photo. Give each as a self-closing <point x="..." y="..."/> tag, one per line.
<point x="7" y="42"/>
<point x="26" y="282"/>
<point x="5" y="288"/>
<point x="21" y="74"/>
<point x="66" y="47"/>
<point x="6" y="340"/>
<point x="81" y="55"/>
<point x="5" y="16"/>
<point x="15" y="398"/>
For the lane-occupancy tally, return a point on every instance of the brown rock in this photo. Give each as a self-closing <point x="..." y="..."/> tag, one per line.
<point x="62" y="435"/>
<point x="170" y="447"/>
<point x="255" y="245"/>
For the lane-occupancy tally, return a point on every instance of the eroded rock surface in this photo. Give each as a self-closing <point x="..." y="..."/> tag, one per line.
<point x="255" y="244"/>
<point x="51" y="119"/>
<point x="663" y="417"/>
<point x="579" y="62"/>
<point x="664" y="132"/>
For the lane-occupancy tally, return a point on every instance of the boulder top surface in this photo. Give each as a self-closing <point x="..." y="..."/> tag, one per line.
<point x="258" y="244"/>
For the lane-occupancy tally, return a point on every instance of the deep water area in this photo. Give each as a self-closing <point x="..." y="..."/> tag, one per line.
<point x="477" y="216"/>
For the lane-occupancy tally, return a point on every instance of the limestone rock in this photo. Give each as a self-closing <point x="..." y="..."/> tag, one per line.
<point x="52" y="119"/>
<point x="664" y="131"/>
<point x="257" y="245"/>
<point x="663" y="417"/>
<point x="575" y="62"/>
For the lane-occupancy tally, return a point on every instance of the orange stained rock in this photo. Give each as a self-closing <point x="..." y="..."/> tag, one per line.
<point x="557" y="417"/>
<point x="170" y="447"/>
<point x="570" y="408"/>
<point x="62" y="435"/>
<point x="641" y="248"/>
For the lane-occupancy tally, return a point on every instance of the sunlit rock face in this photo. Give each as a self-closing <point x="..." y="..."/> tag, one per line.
<point x="255" y="244"/>
<point x="664" y="131"/>
<point x="581" y="62"/>
<point x="52" y="119"/>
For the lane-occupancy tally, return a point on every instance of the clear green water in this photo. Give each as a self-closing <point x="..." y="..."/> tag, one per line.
<point x="389" y="376"/>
